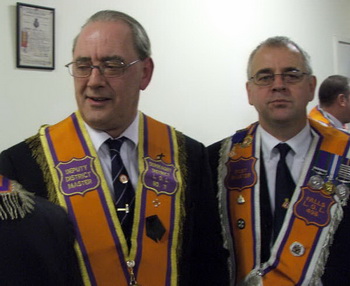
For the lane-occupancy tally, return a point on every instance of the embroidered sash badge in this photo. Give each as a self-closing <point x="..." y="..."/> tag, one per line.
<point x="314" y="207"/>
<point x="160" y="177"/>
<point x="77" y="176"/>
<point x="241" y="174"/>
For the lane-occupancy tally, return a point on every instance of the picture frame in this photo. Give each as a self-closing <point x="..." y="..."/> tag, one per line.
<point x="341" y="52"/>
<point x="35" y="37"/>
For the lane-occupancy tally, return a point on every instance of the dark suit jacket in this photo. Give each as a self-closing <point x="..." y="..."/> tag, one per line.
<point x="338" y="263"/>
<point x="203" y="260"/>
<point x="39" y="248"/>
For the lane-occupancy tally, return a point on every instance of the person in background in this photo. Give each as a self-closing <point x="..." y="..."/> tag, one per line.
<point x="334" y="102"/>
<point x="283" y="182"/>
<point x="37" y="240"/>
<point x="137" y="190"/>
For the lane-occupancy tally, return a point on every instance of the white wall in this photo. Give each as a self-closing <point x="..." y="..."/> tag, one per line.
<point x="200" y="49"/>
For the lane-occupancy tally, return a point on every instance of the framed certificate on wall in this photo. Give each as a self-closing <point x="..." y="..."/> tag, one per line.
<point x="35" y="37"/>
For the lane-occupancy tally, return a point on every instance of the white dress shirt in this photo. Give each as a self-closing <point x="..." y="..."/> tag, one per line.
<point x="295" y="158"/>
<point x="128" y="151"/>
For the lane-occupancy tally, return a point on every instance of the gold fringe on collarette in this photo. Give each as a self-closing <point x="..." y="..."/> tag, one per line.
<point x="35" y="146"/>
<point x="183" y="169"/>
<point x="16" y="203"/>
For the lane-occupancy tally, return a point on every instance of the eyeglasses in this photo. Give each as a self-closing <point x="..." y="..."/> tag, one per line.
<point x="107" y="68"/>
<point x="266" y="78"/>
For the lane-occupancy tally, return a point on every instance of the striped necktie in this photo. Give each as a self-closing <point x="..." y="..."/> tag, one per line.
<point x="123" y="190"/>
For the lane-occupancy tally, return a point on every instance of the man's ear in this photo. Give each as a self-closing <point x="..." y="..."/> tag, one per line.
<point x="248" y="89"/>
<point x="312" y="87"/>
<point x="342" y="99"/>
<point x="147" y="72"/>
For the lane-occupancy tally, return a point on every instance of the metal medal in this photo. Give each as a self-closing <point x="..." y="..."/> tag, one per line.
<point x="329" y="188"/>
<point x="342" y="191"/>
<point x="316" y="182"/>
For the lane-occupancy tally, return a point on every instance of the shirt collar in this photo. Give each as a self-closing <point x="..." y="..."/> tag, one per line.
<point x="299" y="143"/>
<point x="98" y="137"/>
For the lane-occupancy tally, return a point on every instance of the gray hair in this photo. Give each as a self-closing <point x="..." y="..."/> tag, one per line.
<point x="279" y="41"/>
<point x="141" y="41"/>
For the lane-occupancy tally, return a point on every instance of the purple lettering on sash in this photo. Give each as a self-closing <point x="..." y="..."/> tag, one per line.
<point x="77" y="176"/>
<point x="314" y="207"/>
<point x="160" y="177"/>
<point x="241" y="174"/>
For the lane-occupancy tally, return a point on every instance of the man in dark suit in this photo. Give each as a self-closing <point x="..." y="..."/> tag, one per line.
<point x="37" y="240"/>
<point x="146" y="214"/>
<point x="283" y="182"/>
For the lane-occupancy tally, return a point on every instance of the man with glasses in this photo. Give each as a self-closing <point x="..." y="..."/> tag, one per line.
<point x="334" y="102"/>
<point x="283" y="182"/>
<point x="137" y="190"/>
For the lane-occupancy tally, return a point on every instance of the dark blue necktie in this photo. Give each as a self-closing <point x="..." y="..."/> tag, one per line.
<point x="123" y="190"/>
<point x="284" y="188"/>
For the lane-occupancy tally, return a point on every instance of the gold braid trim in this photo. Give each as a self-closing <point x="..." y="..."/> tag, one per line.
<point x="16" y="203"/>
<point x="38" y="154"/>
<point x="183" y="173"/>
